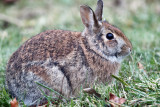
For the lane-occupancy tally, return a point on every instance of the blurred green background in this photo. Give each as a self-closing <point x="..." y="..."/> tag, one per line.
<point x="138" y="19"/>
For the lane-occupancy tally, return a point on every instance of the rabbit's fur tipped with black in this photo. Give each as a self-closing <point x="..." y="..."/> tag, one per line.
<point x="65" y="61"/>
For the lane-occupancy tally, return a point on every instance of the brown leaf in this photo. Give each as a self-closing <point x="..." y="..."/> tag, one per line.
<point x="14" y="103"/>
<point x="113" y="100"/>
<point x="91" y="91"/>
<point x="116" y="101"/>
<point x="140" y="66"/>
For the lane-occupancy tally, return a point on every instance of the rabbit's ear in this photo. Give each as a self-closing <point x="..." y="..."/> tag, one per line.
<point x="99" y="10"/>
<point x="88" y="17"/>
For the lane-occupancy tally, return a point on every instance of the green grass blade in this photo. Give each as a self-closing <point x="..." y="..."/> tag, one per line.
<point x="51" y="90"/>
<point x="140" y="92"/>
<point x="117" y="78"/>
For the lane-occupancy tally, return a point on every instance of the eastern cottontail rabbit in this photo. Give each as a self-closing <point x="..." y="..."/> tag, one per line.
<point x="65" y="61"/>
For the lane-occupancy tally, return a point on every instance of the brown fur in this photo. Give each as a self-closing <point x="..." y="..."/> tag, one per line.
<point x="65" y="61"/>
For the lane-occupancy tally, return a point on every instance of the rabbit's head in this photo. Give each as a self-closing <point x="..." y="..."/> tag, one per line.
<point x="103" y="38"/>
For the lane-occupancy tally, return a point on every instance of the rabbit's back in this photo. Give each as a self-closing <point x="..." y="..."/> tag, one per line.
<point x="50" y="44"/>
<point x="47" y="58"/>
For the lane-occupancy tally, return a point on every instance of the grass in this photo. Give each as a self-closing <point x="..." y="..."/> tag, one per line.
<point x="141" y="25"/>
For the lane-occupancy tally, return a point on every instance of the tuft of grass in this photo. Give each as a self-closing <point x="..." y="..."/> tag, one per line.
<point x="4" y="98"/>
<point x="141" y="26"/>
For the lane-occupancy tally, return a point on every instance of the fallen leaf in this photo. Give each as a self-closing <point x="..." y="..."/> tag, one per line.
<point x="140" y="66"/>
<point x="115" y="101"/>
<point x="14" y="103"/>
<point x="91" y="91"/>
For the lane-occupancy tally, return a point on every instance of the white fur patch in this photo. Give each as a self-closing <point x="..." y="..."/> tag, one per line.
<point x="114" y="59"/>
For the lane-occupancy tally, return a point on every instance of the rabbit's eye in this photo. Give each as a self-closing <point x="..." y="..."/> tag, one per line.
<point x="109" y="36"/>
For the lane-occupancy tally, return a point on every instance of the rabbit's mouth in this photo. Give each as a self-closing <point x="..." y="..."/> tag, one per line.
<point x="123" y="53"/>
<point x="117" y="55"/>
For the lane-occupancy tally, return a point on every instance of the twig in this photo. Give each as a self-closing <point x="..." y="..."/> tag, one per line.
<point x="91" y="91"/>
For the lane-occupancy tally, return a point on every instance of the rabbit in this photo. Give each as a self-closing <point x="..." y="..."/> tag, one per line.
<point x="67" y="61"/>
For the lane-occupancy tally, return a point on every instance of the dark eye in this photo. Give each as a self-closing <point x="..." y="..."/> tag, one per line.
<point x="109" y="36"/>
